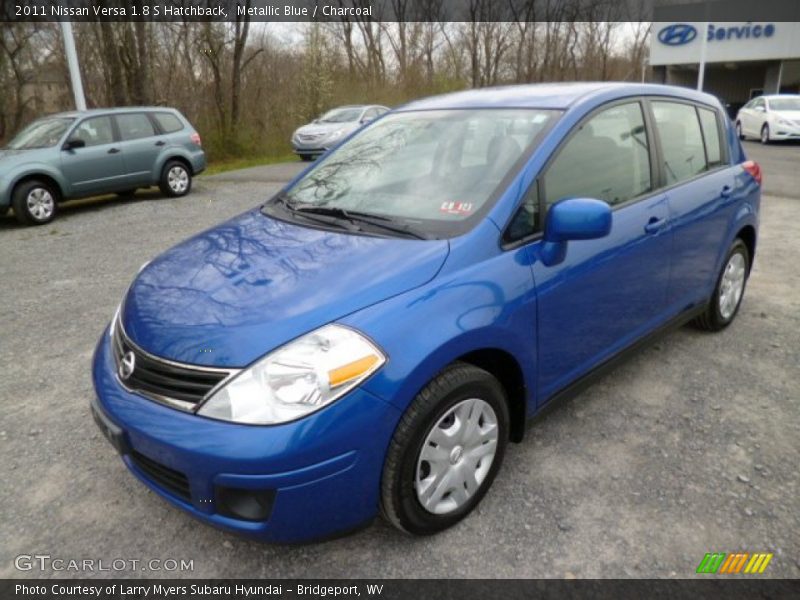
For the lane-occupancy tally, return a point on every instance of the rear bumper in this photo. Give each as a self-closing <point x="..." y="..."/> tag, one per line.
<point x="198" y="162"/>
<point x="322" y="472"/>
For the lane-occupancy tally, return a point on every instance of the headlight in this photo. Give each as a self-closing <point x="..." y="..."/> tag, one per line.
<point x="336" y="134"/>
<point x="297" y="379"/>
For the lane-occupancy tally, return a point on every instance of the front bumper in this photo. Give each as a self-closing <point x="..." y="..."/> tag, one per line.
<point x="5" y="196"/>
<point x="308" y="149"/>
<point x="323" y="471"/>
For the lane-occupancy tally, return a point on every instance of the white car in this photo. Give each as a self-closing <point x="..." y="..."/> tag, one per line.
<point x="770" y="118"/>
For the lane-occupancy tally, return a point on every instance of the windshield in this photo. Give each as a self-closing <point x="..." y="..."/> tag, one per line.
<point x="341" y="115"/>
<point x="785" y="103"/>
<point x="41" y="134"/>
<point x="430" y="170"/>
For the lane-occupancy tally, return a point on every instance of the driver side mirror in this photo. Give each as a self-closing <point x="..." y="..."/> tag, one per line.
<point x="573" y="219"/>
<point x="760" y="109"/>
<point x="72" y="144"/>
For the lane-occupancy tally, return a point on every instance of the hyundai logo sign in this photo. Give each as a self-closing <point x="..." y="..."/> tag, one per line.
<point x="677" y="34"/>
<point x="680" y="34"/>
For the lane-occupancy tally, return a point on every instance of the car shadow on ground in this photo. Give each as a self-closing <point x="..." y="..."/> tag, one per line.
<point x="84" y="205"/>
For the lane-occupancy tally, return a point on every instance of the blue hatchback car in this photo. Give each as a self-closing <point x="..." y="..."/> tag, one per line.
<point x="371" y="338"/>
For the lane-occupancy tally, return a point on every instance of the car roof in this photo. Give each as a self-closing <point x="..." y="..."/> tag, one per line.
<point x="558" y="96"/>
<point x="774" y="96"/>
<point x="105" y="111"/>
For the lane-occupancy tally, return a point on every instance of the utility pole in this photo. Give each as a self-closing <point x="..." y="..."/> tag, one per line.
<point x="702" y="67"/>
<point x="74" y="68"/>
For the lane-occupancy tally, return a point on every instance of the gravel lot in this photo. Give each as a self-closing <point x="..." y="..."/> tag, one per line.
<point x="691" y="447"/>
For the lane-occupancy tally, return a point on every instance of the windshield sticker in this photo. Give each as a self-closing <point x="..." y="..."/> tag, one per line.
<point x="456" y="208"/>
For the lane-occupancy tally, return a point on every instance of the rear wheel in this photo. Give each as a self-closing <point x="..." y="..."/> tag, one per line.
<point x="727" y="298"/>
<point x="446" y="451"/>
<point x="34" y="202"/>
<point x="739" y="130"/>
<point x="765" y="134"/>
<point x="176" y="179"/>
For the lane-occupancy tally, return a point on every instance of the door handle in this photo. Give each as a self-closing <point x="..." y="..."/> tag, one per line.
<point x="160" y="143"/>
<point x="725" y="191"/>
<point x="113" y="150"/>
<point x="654" y="225"/>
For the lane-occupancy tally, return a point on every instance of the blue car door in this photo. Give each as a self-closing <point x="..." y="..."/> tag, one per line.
<point x="606" y="292"/>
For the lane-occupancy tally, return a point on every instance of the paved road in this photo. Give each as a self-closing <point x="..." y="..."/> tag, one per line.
<point x="689" y="448"/>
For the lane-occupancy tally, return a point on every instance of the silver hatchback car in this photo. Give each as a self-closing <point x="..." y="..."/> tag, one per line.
<point x="311" y="140"/>
<point x="99" y="151"/>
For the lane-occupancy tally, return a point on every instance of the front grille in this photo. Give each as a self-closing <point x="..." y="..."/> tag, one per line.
<point x="310" y="137"/>
<point x="175" y="384"/>
<point x="171" y="480"/>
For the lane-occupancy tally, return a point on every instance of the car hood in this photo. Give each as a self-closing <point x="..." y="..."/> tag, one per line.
<point x="325" y="128"/>
<point x="235" y="292"/>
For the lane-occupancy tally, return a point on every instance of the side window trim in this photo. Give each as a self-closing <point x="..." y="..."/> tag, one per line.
<point x="151" y="116"/>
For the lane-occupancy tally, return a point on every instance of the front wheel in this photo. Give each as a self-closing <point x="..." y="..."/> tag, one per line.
<point x="765" y="134"/>
<point x="176" y="179"/>
<point x="446" y="451"/>
<point x="728" y="294"/>
<point x="739" y="133"/>
<point x="34" y="202"/>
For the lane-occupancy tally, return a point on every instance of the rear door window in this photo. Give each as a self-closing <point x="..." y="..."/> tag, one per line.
<point x="710" y="126"/>
<point x="683" y="152"/>
<point x="167" y="122"/>
<point x="134" y="126"/>
<point x="608" y="158"/>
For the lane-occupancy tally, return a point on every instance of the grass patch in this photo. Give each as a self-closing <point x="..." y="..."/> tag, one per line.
<point x="243" y="163"/>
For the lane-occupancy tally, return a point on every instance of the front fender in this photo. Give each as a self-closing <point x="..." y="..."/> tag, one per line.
<point x="9" y="180"/>
<point x="490" y="304"/>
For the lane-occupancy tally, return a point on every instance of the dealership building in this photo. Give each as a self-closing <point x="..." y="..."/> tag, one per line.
<point x="742" y="59"/>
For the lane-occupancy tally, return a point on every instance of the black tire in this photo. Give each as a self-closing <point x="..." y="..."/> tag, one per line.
<point x="739" y="133"/>
<point x="306" y="157"/>
<point x="399" y="502"/>
<point x="712" y="319"/>
<point x="169" y="186"/>
<point x="765" y="134"/>
<point x="34" y="216"/>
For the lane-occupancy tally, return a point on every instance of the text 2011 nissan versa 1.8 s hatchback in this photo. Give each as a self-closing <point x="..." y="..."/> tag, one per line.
<point x="369" y="339"/>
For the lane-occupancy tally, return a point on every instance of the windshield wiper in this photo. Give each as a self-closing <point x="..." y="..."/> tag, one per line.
<point x="290" y="206"/>
<point x="355" y="216"/>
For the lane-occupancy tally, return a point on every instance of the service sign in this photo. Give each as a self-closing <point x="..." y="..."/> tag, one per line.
<point x="680" y="43"/>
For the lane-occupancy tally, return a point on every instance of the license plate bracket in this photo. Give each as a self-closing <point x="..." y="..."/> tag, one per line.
<point x="112" y="432"/>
